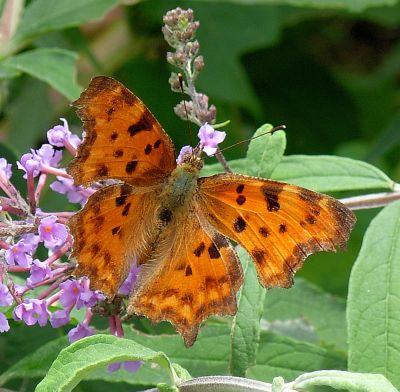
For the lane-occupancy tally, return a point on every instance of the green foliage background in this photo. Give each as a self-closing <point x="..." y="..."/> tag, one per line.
<point x="328" y="70"/>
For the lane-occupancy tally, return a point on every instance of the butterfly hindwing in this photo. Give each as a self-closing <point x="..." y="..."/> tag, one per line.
<point x="194" y="273"/>
<point x="109" y="232"/>
<point x="277" y="223"/>
<point x="123" y="139"/>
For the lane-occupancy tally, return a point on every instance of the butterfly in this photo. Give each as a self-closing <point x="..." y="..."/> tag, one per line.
<point x="178" y="225"/>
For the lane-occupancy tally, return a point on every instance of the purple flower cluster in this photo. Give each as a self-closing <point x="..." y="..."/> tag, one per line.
<point x="31" y="228"/>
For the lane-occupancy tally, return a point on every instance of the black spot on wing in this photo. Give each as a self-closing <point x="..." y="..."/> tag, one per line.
<point x="114" y="136"/>
<point x="188" y="270"/>
<point x="142" y="125"/>
<point x="213" y="252"/>
<point x="239" y="225"/>
<point x="102" y="170"/>
<point x="263" y="231"/>
<point x="157" y="143"/>
<point x="125" y="211"/>
<point x="271" y="196"/>
<point x="241" y="199"/>
<point x="199" y="250"/>
<point x="239" y="188"/>
<point x="131" y="166"/>
<point x="118" y="153"/>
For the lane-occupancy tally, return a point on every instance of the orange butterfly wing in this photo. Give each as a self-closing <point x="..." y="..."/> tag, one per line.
<point x="194" y="273"/>
<point x="277" y="223"/>
<point x="109" y="232"/>
<point x="123" y="139"/>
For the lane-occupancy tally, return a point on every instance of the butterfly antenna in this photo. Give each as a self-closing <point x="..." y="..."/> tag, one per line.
<point x="180" y="78"/>
<point x="271" y="131"/>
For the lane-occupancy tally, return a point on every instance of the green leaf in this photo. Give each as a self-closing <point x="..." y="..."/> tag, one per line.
<point x="324" y="173"/>
<point x="245" y="332"/>
<point x="51" y="65"/>
<point x="306" y="302"/>
<point x="8" y="73"/>
<point x="265" y="152"/>
<point x="237" y="166"/>
<point x="79" y="359"/>
<point x="208" y="356"/>
<point x="353" y="5"/>
<point x="43" y="16"/>
<point x="288" y="358"/>
<point x="373" y="310"/>
<point x="355" y="382"/>
<point x="35" y="364"/>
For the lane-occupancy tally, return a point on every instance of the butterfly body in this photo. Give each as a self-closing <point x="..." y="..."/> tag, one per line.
<point x="178" y="190"/>
<point x="176" y="225"/>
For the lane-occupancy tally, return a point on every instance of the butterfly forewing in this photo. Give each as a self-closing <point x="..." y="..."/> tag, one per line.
<point x="194" y="273"/>
<point x="277" y="223"/>
<point x="109" y="232"/>
<point x="123" y="139"/>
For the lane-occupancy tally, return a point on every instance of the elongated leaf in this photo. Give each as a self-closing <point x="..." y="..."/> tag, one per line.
<point x="355" y="382"/>
<point x="82" y="357"/>
<point x="306" y="302"/>
<point x="373" y="310"/>
<point x="288" y="358"/>
<point x="208" y="356"/>
<point x="245" y="332"/>
<point x="265" y="152"/>
<point x="353" y="5"/>
<point x="51" y="65"/>
<point x="42" y="16"/>
<point x="324" y="173"/>
<point x="8" y="73"/>
<point x="37" y="363"/>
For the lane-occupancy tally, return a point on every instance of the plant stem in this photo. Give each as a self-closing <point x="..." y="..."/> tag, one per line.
<point x="373" y="200"/>
<point x="9" y="19"/>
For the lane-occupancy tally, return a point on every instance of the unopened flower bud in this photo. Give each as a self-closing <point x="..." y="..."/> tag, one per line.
<point x="174" y="82"/>
<point x="198" y="63"/>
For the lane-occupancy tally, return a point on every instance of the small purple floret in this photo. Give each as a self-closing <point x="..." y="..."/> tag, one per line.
<point x="129" y="282"/>
<point x="4" y="326"/>
<point x="77" y="292"/>
<point x="32" y="311"/>
<point x="5" y="169"/>
<point x="210" y="138"/>
<point x="29" y="165"/>
<point x="60" y="318"/>
<point x="79" y="332"/>
<point x="75" y="194"/>
<point x="129" y="366"/>
<point x="39" y="272"/>
<point x="47" y="155"/>
<point x="6" y="299"/>
<point x="53" y="234"/>
<point x="21" y="252"/>
<point x="58" y="135"/>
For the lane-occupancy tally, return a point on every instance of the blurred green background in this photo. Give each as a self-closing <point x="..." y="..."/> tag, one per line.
<point x="328" y="70"/>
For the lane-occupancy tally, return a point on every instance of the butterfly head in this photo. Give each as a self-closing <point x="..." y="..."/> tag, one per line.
<point x="191" y="156"/>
